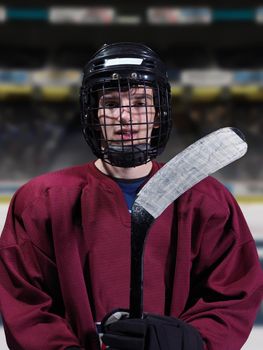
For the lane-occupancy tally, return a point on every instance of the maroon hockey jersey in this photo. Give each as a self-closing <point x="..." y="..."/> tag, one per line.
<point x="64" y="262"/>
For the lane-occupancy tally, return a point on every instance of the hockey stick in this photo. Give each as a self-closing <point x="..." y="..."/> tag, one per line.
<point x="182" y="172"/>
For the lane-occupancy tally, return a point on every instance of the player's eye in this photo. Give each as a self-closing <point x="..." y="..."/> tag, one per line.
<point x="110" y="104"/>
<point x="139" y="103"/>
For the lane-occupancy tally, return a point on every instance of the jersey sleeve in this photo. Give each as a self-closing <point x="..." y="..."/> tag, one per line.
<point x="32" y="309"/>
<point x="226" y="279"/>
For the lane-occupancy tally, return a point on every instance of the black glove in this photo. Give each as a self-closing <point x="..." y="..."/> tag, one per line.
<point x="152" y="333"/>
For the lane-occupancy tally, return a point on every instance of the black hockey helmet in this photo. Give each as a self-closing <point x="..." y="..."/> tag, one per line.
<point x="114" y="69"/>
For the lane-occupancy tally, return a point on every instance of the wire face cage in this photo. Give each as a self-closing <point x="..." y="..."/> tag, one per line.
<point x="125" y="114"/>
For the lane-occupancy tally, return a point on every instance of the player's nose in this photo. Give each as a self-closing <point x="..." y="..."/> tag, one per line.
<point x="125" y="114"/>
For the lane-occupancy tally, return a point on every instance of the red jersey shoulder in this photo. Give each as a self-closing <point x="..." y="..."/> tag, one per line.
<point x="75" y="177"/>
<point x="211" y="186"/>
<point x="212" y="193"/>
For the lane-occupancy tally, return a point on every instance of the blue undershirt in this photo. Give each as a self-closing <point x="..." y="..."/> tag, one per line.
<point x="130" y="188"/>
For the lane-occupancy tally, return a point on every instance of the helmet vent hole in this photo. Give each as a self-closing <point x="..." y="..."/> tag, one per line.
<point x="115" y="76"/>
<point x="149" y="63"/>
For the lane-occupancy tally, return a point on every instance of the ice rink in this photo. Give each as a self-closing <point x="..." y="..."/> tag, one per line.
<point x="253" y="213"/>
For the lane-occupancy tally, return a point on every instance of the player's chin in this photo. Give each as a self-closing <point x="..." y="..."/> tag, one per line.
<point x="121" y="143"/>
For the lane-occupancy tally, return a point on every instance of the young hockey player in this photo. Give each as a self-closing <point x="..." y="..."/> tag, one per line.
<point x="65" y="247"/>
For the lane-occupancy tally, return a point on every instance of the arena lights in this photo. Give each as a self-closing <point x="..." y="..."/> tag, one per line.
<point x="259" y="15"/>
<point x="176" y="15"/>
<point x="2" y="14"/>
<point x="82" y="15"/>
<point x="91" y="16"/>
<point x="108" y="15"/>
<point x="206" y="77"/>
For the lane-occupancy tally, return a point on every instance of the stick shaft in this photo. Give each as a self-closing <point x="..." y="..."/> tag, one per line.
<point x="141" y="222"/>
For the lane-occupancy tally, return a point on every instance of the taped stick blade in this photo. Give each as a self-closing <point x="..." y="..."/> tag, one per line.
<point x="196" y="162"/>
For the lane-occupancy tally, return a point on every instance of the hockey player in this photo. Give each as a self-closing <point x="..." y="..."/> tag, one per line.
<point x="64" y="257"/>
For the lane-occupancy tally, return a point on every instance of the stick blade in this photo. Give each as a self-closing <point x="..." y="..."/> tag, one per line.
<point x="196" y="162"/>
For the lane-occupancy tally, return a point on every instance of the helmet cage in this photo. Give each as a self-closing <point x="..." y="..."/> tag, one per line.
<point x="135" y="150"/>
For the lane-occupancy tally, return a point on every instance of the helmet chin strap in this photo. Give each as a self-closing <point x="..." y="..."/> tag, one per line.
<point x="128" y="156"/>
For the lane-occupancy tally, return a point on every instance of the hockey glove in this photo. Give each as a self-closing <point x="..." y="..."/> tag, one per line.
<point x="152" y="333"/>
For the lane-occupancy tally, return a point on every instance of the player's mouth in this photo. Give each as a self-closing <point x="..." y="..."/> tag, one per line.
<point x="126" y="134"/>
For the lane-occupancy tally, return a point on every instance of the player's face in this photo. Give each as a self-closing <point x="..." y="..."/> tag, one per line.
<point x="127" y="117"/>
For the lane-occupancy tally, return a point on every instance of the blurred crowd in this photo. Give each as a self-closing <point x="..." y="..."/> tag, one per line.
<point x="31" y="137"/>
<point x="195" y="121"/>
<point x="36" y="137"/>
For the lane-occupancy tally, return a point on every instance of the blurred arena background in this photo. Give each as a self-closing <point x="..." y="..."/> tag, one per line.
<point x="214" y="54"/>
